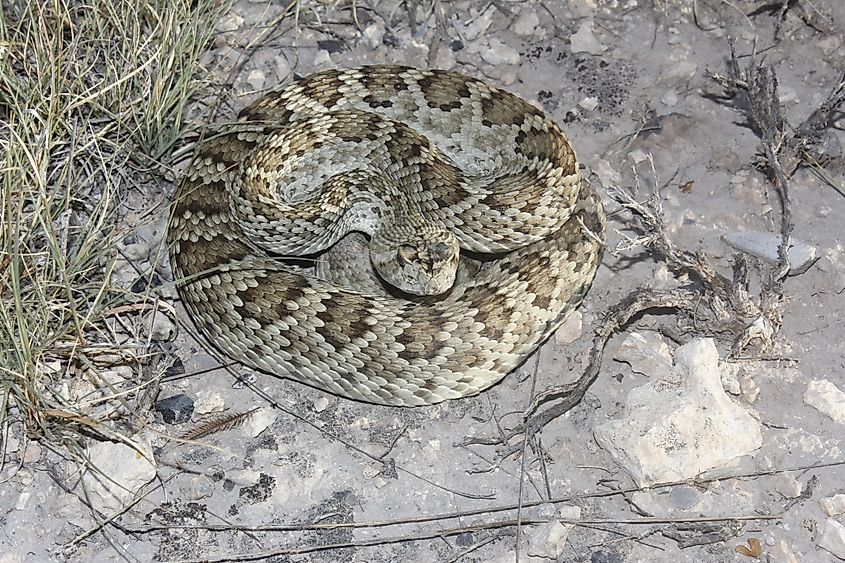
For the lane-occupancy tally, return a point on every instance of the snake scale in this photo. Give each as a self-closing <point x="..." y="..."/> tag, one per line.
<point x="422" y="161"/>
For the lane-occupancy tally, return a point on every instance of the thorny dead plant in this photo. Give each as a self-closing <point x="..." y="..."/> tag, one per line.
<point x="713" y="303"/>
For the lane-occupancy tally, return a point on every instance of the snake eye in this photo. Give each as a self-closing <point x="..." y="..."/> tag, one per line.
<point x="406" y="254"/>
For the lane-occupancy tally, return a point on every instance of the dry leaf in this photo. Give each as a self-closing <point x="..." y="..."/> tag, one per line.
<point x="753" y="549"/>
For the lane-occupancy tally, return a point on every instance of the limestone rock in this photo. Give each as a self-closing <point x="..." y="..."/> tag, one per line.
<point x="681" y="423"/>
<point x="827" y="398"/>
<point x="118" y="472"/>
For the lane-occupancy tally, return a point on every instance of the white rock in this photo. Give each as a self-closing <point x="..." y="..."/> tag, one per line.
<point x="682" y="423"/>
<point x="569" y="512"/>
<point x="832" y="538"/>
<point x="477" y="25"/>
<point x="137" y="251"/>
<point x="607" y="175"/>
<point x="749" y="388"/>
<point x="374" y="35"/>
<point x="159" y="327"/>
<point x="782" y="553"/>
<point x="32" y="453"/>
<point x="118" y="472"/>
<point x="256" y="79"/>
<point x="638" y="156"/>
<point x="321" y="404"/>
<point x="526" y="24"/>
<point x="765" y="247"/>
<point x="787" y="485"/>
<point x="496" y="52"/>
<point x="199" y="487"/>
<point x="589" y="104"/>
<point x="23" y="499"/>
<point x="833" y="506"/>
<point x="670" y="98"/>
<point x="583" y="40"/>
<point x="259" y="421"/>
<point x="323" y="59"/>
<point x="646" y="352"/>
<point x="208" y="401"/>
<point x="229" y="22"/>
<point x="571" y="330"/>
<point x="827" y="398"/>
<point x="548" y="540"/>
<point x="730" y="383"/>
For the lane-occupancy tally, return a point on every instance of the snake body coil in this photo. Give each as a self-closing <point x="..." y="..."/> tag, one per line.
<point x="409" y="157"/>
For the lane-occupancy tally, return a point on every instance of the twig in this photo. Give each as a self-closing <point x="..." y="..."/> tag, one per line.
<point x="415" y="520"/>
<point x="298" y="550"/>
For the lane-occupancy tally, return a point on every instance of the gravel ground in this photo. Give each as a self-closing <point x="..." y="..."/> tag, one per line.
<point x="627" y="81"/>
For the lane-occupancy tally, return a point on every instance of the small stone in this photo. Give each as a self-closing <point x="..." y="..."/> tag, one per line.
<point x="465" y="539"/>
<point x="583" y="40"/>
<point x="495" y="52"/>
<point x="832" y="538"/>
<point x="788" y="486"/>
<point x="371" y="470"/>
<point x="374" y="35"/>
<point x="765" y="246"/>
<point x="833" y="506"/>
<point x="589" y="104"/>
<point x="25" y="477"/>
<point x="256" y="79"/>
<point x="136" y="252"/>
<point x="638" y="156"/>
<point x="117" y="472"/>
<point x="548" y="540"/>
<point x="477" y="24"/>
<point x="545" y="511"/>
<point x="117" y="375"/>
<point x="570" y="330"/>
<point x="322" y="59"/>
<point x="670" y="98"/>
<point x="175" y="409"/>
<point x="23" y="499"/>
<point x="208" y="401"/>
<point x="830" y="146"/>
<point x="160" y="328"/>
<point x="229" y="22"/>
<point x="730" y="383"/>
<point x="684" y="497"/>
<point x="321" y="404"/>
<point x="607" y="175"/>
<point x="569" y="512"/>
<point x="199" y="487"/>
<point x="646" y="352"/>
<point x="749" y="390"/>
<point x="32" y="453"/>
<point x="526" y="24"/>
<point x="826" y="398"/>
<point x="782" y="553"/>
<point x="259" y="421"/>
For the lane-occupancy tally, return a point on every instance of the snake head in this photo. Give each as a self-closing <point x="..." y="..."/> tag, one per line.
<point x="420" y="263"/>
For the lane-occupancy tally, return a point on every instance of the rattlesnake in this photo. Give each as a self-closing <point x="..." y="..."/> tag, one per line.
<point x="421" y="160"/>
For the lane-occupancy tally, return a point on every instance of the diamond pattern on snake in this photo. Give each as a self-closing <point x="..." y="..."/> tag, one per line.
<point x="451" y="228"/>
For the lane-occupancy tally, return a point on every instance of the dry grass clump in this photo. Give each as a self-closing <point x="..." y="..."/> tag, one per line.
<point x="91" y="99"/>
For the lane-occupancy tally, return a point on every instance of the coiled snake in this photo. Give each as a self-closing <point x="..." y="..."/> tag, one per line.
<point x="422" y="161"/>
